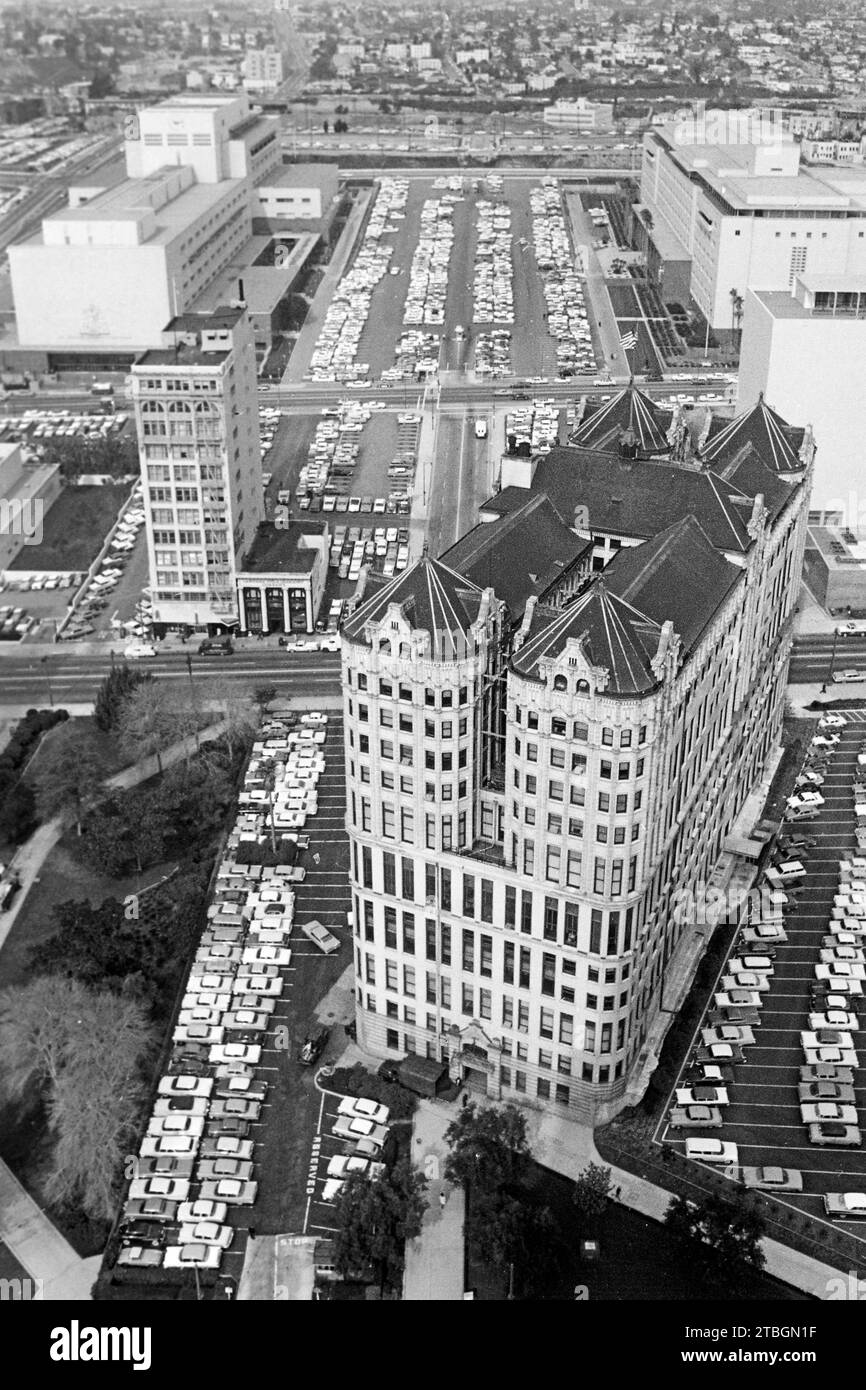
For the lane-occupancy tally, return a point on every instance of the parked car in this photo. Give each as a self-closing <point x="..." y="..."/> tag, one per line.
<point x="695" y="1117"/>
<point x="773" y="1179"/>
<point x="835" y="1135"/>
<point x="849" y="1206"/>
<point x="365" y="1109"/>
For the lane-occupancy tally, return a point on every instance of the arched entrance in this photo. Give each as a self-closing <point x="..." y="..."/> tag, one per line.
<point x="473" y="1059"/>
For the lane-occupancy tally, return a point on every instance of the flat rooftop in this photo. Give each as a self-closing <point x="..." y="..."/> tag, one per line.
<point x="727" y="170"/>
<point x="279" y="550"/>
<point x="129" y="201"/>
<point x="839" y="547"/>
<point x="264" y="285"/>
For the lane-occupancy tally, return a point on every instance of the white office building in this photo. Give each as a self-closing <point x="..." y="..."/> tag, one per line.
<point x="196" y="413"/>
<point x="749" y="216"/>
<point x="103" y="278"/>
<point x="804" y="350"/>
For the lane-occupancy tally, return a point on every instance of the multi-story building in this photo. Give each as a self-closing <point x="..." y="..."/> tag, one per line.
<point x="749" y="216"/>
<point x="804" y="349"/>
<point x="196" y="413"/>
<point x="528" y="800"/>
<point x="101" y="280"/>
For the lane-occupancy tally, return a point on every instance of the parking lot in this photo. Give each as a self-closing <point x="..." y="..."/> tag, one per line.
<point x="444" y="261"/>
<point x="199" y="1193"/>
<point x="762" y="1095"/>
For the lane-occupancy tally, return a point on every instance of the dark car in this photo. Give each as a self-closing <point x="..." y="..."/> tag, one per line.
<point x="312" y="1048"/>
<point x="228" y="1124"/>
<point x="182" y="1064"/>
<point x="738" y="1013"/>
<point x="390" y="1073"/>
<point x="150" y="1233"/>
<point x="191" y="1052"/>
<point x="216" y="646"/>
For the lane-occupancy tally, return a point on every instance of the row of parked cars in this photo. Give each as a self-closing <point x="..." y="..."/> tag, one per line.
<point x="196" y="1163"/>
<point x="416" y="356"/>
<point x="97" y="596"/>
<point x="567" y="317"/>
<point x="334" y="357"/>
<point x="493" y="289"/>
<point x="493" y="352"/>
<point x="825" y="1091"/>
<point x="536" y="424"/>
<point x="332" y="456"/>
<point x="359" y="545"/>
<point x="428" y="275"/>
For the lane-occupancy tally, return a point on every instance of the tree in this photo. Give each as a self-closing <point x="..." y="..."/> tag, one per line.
<point x="72" y="776"/>
<point x="152" y="718"/>
<point x="18" y="817"/>
<point x="375" y="1220"/>
<point x="722" y="1235"/>
<point x="113" y="693"/>
<point x="488" y="1147"/>
<point x="263" y="695"/>
<point x="83" y="1050"/>
<point x="592" y="1192"/>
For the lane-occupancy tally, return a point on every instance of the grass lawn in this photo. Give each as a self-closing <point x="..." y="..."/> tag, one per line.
<point x="638" y="1261"/>
<point x="63" y="878"/>
<point x="74" y="529"/>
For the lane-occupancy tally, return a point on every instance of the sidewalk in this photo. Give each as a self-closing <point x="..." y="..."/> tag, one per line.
<point x="40" y="1248"/>
<point x="434" y="1270"/>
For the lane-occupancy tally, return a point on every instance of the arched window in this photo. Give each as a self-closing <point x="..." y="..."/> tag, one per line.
<point x="582" y="687"/>
<point x="560" y="683"/>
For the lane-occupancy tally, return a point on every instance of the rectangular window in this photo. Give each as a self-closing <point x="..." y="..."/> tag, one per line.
<point x="388" y="825"/>
<point x="469" y="896"/>
<point x="366" y="864"/>
<point x="551" y="918"/>
<point x="445" y="943"/>
<point x="391" y="975"/>
<point x="445" y="887"/>
<point x="485" y="1007"/>
<point x="507" y="1012"/>
<point x="528" y="857"/>
<point x="466" y="1000"/>
<point x="548" y="974"/>
<point x="573" y="869"/>
<point x="468" y="950"/>
<point x="523" y="977"/>
<point x="595" y="932"/>
<point x="389" y="877"/>
<point x="368" y="921"/>
<point x="566" y="1029"/>
<point x="486" y="962"/>
<point x="525" y="911"/>
<point x="407" y="880"/>
<point x="508" y="963"/>
<point x="409" y="933"/>
<point x="546" y="1023"/>
<point x="612" y="934"/>
<point x="510" y="905"/>
<point x="407" y="826"/>
<point x="553" y="866"/>
<point x="430" y="939"/>
<point x="486" y="900"/>
<point x="598" y="876"/>
<point x="391" y="928"/>
<point x="571" y="922"/>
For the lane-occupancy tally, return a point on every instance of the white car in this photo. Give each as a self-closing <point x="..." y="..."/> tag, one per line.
<point x="136" y="650"/>
<point x="847" y="1205"/>
<point x="343" y="1165"/>
<point x="196" y="1256"/>
<point x="365" y="1109"/>
<point x="236" y="1052"/>
<point x="185" y="1086"/>
<point x="188" y="1126"/>
<point x="207" y="1233"/>
<point x="314" y="717"/>
<point x="839" y="970"/>
<point x="267" y="955"/>
<point x="202" y="1211"/>
<point x="321" y="937"/>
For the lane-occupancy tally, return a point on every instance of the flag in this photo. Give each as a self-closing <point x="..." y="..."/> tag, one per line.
<point x="628" y="341"/>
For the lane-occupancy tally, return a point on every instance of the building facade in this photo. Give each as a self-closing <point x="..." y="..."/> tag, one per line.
<point x="804" y="350"/>
<point x="527" y="803"/>
<point x="103" y="278"/>
<point x="196" y="413"/>
<point x="749" y="217"/>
